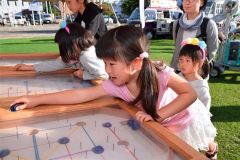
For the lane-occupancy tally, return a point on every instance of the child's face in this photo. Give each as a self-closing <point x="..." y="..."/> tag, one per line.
<point x="187" y="66"/>
<point x="118" y="71"/>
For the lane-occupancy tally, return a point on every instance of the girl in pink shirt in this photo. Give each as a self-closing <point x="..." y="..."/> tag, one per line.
<point x="154" y="88"/>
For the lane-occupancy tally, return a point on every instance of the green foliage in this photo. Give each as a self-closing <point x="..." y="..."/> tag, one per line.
<point x="54" y="10"/>
<point x="129" y="5"/>
<point x="107" y="9"/>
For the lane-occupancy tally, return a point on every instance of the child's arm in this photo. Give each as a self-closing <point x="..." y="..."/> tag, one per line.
<point x="64" y="97"/>
<point x="24" y="67"/>
<point x="45" y="66"/>
<point x="186" y="96"/>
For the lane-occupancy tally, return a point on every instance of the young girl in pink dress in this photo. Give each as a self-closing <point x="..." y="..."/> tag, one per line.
<point x="137" y="80"/>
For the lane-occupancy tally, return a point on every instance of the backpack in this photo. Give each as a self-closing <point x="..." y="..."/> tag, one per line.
<point x="203" y="27"/>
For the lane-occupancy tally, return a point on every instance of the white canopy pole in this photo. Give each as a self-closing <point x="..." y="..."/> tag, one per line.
<point x="46" y="2"/>
<point x="142" y="16"/>
<point x="114" y="13"/>
<point x="50" y="7"/>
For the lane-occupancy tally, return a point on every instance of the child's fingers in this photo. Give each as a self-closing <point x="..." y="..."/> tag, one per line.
<point x="24" y="67"/>
<point x="78" y="73"/>
<point x="143" y="117"/>
<point x="17" y="101"/>
<point x="17" y="67"/>
<point x="22" y="103"/>
<point x="147" y="118"/>
<point x="21" y="107"/>
<point x="138" y="115"/>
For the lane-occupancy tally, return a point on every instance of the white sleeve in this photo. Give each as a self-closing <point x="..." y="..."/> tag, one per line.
<point x="93" y="67"/>
<point x="51" y="65"/>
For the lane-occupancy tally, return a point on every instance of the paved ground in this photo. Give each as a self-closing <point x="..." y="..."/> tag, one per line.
<point x="30" y="31"/>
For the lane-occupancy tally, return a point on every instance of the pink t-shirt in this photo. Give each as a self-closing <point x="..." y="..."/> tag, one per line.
<point x="175" y="123"/>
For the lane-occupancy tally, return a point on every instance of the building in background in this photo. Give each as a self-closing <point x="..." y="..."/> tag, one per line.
<point x="10" y="8"/>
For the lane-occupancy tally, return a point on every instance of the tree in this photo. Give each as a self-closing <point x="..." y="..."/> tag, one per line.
<point x="129" y="5"/>
<point x="107" y="10"/>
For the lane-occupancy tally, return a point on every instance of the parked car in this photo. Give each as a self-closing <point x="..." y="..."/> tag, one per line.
<point x="47" y="18"/>
<point x="19" y="20"/>
<point x="122" y="18"/>
<point x="58" y="19"/>
<point x="157" y="22"/>
<point x="37" y="18"/>
<point x="114" y="18"/>
<point x="107" y="19"/>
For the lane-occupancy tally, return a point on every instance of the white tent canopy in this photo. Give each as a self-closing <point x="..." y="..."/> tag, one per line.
<point x="35" y="6"/>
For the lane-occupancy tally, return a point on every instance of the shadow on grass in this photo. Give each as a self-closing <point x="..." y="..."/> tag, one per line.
<point x="160" y="51"/>
<point x="226" y="114"/>
<point x="161" y="44"/>
<point x="37" y="32"/>
<point x="43" y="40"/>
<point x="169" y="36"/>
<point x="231" y="78"/>
<point x="34" y="42"/>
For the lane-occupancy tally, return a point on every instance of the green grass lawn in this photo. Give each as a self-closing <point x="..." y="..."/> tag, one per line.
<point x="28" y="45"/>
<point x="225" y="90"/>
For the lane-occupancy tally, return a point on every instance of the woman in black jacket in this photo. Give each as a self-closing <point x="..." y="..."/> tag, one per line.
<point x="89" y="15"/>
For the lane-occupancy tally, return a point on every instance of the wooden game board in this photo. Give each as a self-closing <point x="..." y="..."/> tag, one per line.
<point x="20" y="86"/>
<point x="27" y="135"/>
<point x="7" y="63"/>
<point x="74" y="131"/>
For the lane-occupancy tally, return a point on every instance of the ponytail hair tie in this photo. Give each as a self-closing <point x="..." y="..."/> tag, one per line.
<point x="144" y="55"/>
<point x="63" y="25"/>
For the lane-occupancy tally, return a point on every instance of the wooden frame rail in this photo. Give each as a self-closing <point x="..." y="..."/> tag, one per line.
<point x="8" y="119"/>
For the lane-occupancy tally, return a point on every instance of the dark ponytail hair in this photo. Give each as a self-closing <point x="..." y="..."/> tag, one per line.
<point x="204" y="72"/>
<point x="85" y="2"/>
<point x="127" y="43"/>
<point x="197" y="55"/>
<point x="69" y="39"/>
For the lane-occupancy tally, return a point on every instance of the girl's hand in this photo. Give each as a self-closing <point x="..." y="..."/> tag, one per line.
<point x="28" y="102"/>
<point x="143" y="117"/>
<point x="23" y="67"/>
<point x="78" y="73"/>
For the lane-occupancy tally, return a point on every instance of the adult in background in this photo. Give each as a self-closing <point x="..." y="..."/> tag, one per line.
<point x="89" y="15"/>
<point x="191" y="24"/>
